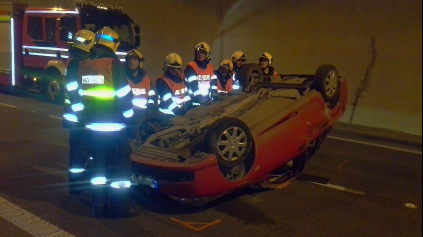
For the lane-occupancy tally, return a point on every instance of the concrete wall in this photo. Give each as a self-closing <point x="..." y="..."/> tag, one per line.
<point x="376" y="45"/>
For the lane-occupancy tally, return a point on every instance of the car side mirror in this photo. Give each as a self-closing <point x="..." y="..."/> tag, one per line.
<point x="65" y="35"/>
<point x="137" y="29"/>
<point x="137" y="41"/>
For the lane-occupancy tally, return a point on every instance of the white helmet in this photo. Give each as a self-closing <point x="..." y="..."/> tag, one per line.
<point x="108" y="37"/>
<point x="173" y="60"/>
<point x="84" y="40"/>
<point x="238" y="55"/>
<point x="267" y="56"/>
<point x="205" y="47"/>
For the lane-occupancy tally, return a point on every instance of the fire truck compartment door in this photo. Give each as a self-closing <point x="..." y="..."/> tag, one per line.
<point x="5" y="48"/>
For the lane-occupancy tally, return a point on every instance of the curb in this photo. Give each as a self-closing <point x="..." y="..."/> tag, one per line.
<point x="377" y="133"/>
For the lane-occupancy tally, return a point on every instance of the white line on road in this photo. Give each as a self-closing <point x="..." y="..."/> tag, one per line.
<point x="376" y="145"/>
<point x="340" y="188"/>
<point x="7" y="105"/>
<point x="55" y="117"/>
<point x="28" y="221"/>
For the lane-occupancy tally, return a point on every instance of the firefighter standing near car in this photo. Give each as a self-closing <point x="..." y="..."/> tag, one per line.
<point x="107" y="106"/>
<point x="224" y="82"/>
<point x="266" y="64"/>
<point x="78" y="155"/>
<point x="139" y="81"/>
<point x="171" y="88"/>
<point x="199" y="73"/>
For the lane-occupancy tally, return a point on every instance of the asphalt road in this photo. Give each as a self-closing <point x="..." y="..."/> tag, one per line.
<point x="372" y="190"/>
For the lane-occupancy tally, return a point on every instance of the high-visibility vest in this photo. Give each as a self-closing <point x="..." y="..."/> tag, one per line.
<point x="140" y="91"/>
<point x="204" y="76"/>
<point x="178" y="89"/>
<point x="97" y="90"/>
<point x="228" y="88"/>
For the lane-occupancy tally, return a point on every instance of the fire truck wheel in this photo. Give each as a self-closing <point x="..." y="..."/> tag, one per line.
<point x="53" y="87"/>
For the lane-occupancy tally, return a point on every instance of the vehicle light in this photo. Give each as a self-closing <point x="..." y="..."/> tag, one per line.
<point x="35" y="79"/>
<point x="101" y="7"/>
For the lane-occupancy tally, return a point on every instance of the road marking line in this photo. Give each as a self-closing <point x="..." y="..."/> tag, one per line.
<point x="7" y="105"/>
<point x="190" y="225"/>
<point x="376" y="145"/>
<point x="28" y="221"/>
<point x="55" y="117"/>
<point x="340" y="188"/>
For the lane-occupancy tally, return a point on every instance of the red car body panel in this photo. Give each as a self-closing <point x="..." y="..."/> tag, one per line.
<point x="285" y="135"/>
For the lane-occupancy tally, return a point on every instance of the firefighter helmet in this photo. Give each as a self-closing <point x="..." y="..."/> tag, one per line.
<point x="238" y="55"/>
<point x="266" y="56"/>
<point x="227" y="64"/>
<point x="134" y="53"/>
<point x="205" y="47"/>
<point x="84" y="40"/>
<point x="108" y="37"/>
<point x="173" y="60"/>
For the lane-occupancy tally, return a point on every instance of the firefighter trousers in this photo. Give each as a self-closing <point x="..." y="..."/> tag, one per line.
<point x="111" y="162"/>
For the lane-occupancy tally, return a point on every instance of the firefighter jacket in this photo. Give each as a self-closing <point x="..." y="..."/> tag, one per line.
<point x="198" y="76"/>
<point x="222" y="84"/>
<point x="106" y="94"/>
<point x="141" y="88"/>
<point x="268" y="77"/>
<point x="72" y="98"/>
<point x="172" y="92"/>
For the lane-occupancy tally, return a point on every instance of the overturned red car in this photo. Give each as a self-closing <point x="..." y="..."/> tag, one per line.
<point x="262" y="136"/>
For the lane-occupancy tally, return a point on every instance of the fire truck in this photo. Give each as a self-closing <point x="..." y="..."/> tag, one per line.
<point x="34" y="42"/>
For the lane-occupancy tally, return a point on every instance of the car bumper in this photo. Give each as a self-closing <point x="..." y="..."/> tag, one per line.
<point x="192" y="182"/>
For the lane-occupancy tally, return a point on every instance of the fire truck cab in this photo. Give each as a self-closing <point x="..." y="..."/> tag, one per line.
<point x="34" y="42"/>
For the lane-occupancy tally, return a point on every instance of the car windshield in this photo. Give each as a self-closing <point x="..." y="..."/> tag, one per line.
<point x="123" y="29"/>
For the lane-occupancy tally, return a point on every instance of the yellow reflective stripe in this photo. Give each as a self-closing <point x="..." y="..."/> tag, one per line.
<point x="105" y="93"/>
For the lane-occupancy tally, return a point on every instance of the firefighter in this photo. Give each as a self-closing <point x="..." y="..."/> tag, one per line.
<point x="107" y="106"/>
<point x="199" y="73"/>
<point x="78" y="155"/>
<point x="224" y="82"/>
<point x="171" y="88"/>
<point x="139" y="81"/>
<point x="238" y="59"/>
<point x="266" y="64"/>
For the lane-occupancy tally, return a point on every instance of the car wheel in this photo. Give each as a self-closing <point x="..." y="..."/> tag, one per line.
<point x="249" y="73"/>
<point x="230" y="140"/>
<point x="53" y="87"/>
<point x="326" y="81"/>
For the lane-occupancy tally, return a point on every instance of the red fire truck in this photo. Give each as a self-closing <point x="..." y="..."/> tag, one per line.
<point x="34" y="42"/>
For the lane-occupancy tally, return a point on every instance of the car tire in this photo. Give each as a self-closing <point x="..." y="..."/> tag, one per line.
<point x="53" y="87"/>
<point x="326" y="81"/>
<point x="230" y="140"/>
<point x="250" y="72"/>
